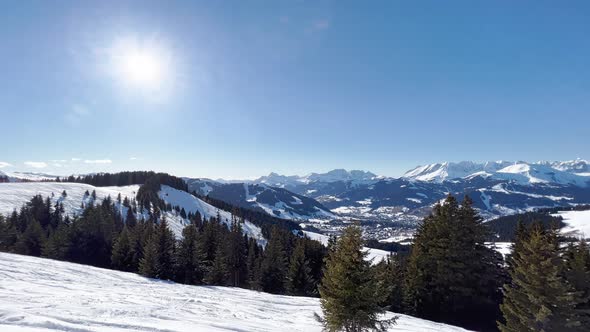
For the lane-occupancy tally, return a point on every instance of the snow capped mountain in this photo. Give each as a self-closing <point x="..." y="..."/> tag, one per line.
<point x="45" y="295"/>
<point x="573" y="166"/>
<point x="275" y="201"/>
<point x="524" y="173"/>
<point x="282" y="181"/>
<point x="448" y="170"/>
<point x="564" y="173"/>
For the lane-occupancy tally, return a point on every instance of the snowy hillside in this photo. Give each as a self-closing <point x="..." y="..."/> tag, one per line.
<point x="45" y="295"/>
<point x="275" y="201"/>
<point x="15" y="195"/>
<point x="192" y="204"/>
<point x="25" y="176"/>
<point x="577" y="223"/>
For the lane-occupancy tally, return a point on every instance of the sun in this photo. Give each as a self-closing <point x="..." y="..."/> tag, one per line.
<point x="141" y="65"/>
<point x="142" y="68"/>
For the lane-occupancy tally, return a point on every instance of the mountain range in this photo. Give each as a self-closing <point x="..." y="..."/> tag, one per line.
<point x="497" y="188"/>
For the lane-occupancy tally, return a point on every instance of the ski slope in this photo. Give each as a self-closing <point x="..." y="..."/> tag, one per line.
<point x="44" y="295"/>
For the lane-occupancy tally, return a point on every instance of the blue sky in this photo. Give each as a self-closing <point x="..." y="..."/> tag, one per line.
<point x="249" y="87"/>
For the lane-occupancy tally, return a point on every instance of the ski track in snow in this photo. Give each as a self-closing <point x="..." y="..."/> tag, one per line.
<point x="44" y="295"/>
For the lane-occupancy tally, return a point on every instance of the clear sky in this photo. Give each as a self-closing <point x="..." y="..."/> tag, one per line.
<point x="237" y="89"/>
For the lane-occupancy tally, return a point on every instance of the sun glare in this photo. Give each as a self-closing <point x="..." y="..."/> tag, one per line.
<point x="142" y="65"/>
<point x="142" y="68"/>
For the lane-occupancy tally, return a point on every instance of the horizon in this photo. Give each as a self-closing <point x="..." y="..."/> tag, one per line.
<point x="236" y="91"/>
<point x="9" y="168"/>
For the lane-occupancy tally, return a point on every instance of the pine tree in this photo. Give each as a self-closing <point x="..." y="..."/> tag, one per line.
<point x="451" y="275"/>
<point x="349" y="293"/>
<point x="31" y="242"/>
<point x="390" y="278"/>
<point x="538" y="298"/>
<point x="58" y="244"/>
<point x="273" y="269"/>
<point x="122" y="258"/>
<point x="299" y="281"/>
<point x="130" y="219"/>
<point x="218" y="273"/>
<point x="148" y="264"/>
<point x="577" y="273"/>
<point x="236" y="255"/>
<point x="253" y="264"/>
<point x="188" y="258"/>
<point x="166" y="247"/>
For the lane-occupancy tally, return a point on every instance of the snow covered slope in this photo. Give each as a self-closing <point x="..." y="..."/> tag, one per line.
<point x="45" y="295"/>
<point x="577" y="223"/>
<point x="277" y="202"/>
<point x="25" y="176"/>
<point x="192" y="204"/>
<point x="15" y="195"/>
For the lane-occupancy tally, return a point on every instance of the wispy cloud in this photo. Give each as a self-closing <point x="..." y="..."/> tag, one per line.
<point x="4" y="164"/>
<point x="98" y="161"/>
<point x="35" y="164"/>
<point x="76" y="159"/>
<point x="133" y="158"/>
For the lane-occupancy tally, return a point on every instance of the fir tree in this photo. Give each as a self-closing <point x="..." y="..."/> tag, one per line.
<point x="166" y="247"/>
<point x="299" y="281"/>
<point x="349" y="293"/>
<point x="188" y="258"/>
<point x="148" y="265"/>
<point x="452" y="276"/>
<point x="273" y="269"/>
<point x="122" y="258"/>
<point x="577" y="273"/>
<point x="538" y="298"/>
<point x="236" y="255"/>
<point x="218" y="273"/>
<point x="31" y="242"/>
<point x="390" y="278"/>
<point x="253" y="264"/>
<point x="58" y="244"/>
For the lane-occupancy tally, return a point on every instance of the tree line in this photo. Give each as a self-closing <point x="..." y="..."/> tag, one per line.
<point x="209" y="251"/>
<point x="451" y="276"/>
